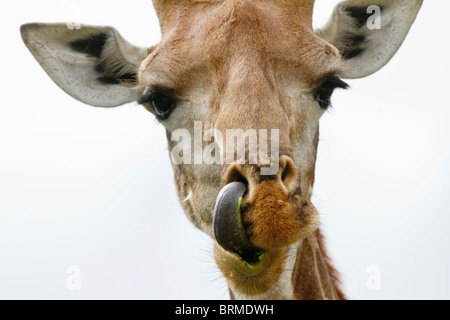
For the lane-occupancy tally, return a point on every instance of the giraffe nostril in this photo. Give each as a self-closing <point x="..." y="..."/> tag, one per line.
<point x="240" y="178"/>
<point x="289" y="174"/>
<point x="234" y="174"/>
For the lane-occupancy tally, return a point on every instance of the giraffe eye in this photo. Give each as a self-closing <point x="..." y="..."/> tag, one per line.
<point x="323" y="94"/>
<point x="161" y="104"/>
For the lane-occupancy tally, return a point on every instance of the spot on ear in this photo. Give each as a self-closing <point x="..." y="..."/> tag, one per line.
<point x="350" y="54"/>
<point x="106" y="76"/>
<point x="126" y="78"/>
<point x="92" y="46"/>
<point x="352" y="47"/>
<point x="353" y="42"/>
<point x="360" y="15"/>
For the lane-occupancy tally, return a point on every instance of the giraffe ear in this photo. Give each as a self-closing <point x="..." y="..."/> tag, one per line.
<point x="368" y="33"/>
<point x="95" y="65"/>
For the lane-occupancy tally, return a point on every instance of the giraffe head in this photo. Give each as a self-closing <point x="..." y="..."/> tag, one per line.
<point x="240" y="87"/>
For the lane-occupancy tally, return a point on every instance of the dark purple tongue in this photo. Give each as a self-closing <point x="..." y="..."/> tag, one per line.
<point x="227" y="222"/>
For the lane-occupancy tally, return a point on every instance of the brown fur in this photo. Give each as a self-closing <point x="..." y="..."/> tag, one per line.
<point x="275" y="219"/>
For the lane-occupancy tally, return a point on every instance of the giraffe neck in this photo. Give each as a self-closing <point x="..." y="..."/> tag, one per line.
<point x="312" y="277"/>
<point x="307" y="274"/>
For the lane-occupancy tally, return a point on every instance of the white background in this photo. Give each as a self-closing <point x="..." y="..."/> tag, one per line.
<point x="93" y="188"/>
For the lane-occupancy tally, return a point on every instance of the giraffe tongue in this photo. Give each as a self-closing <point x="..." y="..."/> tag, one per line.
<point x="227" y="223"/>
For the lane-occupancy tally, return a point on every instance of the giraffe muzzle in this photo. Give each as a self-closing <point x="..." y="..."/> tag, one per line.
<point x="227" y="222"/>
<point x="255" y="213"/>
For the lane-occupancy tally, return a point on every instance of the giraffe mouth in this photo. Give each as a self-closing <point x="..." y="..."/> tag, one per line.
<point x="228" y="228"/>
<point x="250" y="223"/>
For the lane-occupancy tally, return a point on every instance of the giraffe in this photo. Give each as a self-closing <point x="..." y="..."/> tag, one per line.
<point x="239" y="65"/>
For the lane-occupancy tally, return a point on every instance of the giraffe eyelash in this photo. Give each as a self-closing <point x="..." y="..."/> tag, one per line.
<point x="324" y="92"/>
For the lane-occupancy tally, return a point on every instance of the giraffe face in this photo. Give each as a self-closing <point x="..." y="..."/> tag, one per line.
<point x="258" y="90"/>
